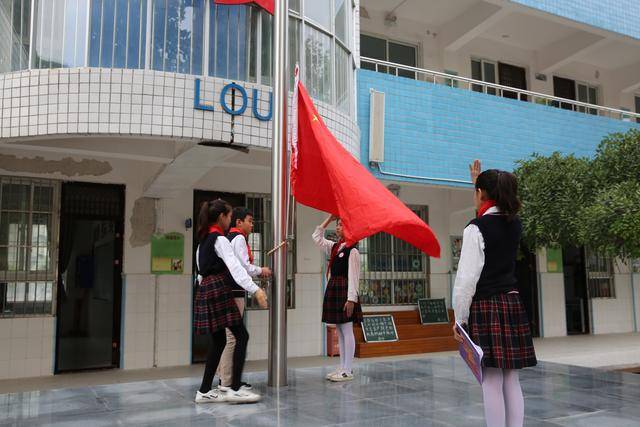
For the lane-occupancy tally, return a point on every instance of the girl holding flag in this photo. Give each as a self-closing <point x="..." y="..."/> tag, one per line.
<point x="341" y="306"/>
<point x="485" y="295"/>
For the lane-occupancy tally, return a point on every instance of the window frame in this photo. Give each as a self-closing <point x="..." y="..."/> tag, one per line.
<point x="387" y="40"/>
<point x="604" y="270"/>
<point x="27" y="275"/>
<point x="393" y="276"/>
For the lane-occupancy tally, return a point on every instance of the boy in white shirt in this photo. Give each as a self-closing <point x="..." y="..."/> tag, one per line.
<point x="238" y="235"/>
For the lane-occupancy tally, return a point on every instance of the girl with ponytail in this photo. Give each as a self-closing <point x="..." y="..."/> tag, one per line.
<point x="215" y="308"/>
<point x="485" y="296"/>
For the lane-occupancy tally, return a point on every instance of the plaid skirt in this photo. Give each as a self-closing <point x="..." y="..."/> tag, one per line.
<point x="335" y="297"/>
<point x="499" y="325"/>
<point x="214" y="307"/>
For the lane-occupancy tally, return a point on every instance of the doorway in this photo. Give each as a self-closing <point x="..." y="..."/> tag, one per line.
<point x="512" y="76"/>
<point x="89" y="277"/>
<point x="575" y="291"/>
<point x="564" y="88"/>
<point x="527" y="276"/>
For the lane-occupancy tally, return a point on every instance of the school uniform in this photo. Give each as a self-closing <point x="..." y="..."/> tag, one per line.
<point x="485" y="293"/>
<point x="344" y="277"/>
<point x="215" y="307"/>
<point x="243" y="253"/>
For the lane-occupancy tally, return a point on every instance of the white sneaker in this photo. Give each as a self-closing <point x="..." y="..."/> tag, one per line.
<point x="341" y="377"/>
<point x="242" y="396"/>
<point x="332" y="374"/>
<point x="244" y="386"/>
<point x="212" y="396"/>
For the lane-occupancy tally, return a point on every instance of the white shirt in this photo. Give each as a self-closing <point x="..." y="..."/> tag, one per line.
<point x="353" y="278"/>
<point x="225" y="251"/>
<point x="469" y="269"/>
<point x="239" y="244"/>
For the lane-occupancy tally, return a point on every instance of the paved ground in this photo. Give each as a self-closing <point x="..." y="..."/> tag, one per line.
<point x="434" y="391"/>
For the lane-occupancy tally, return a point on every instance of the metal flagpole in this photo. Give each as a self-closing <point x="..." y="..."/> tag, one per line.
<point x="278" y="309"/>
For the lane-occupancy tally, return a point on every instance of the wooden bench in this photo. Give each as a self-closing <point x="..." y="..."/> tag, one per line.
<point x="413" y="337"/>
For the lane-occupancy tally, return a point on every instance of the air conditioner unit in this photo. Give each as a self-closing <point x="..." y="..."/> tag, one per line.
<point x="376" y="127"/>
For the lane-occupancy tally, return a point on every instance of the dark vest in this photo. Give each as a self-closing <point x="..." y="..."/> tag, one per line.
<point x="238" y="291"/>
<point x="501" y="240"/>
<point x="340" y="264"/>
<point x="208" y="260"/>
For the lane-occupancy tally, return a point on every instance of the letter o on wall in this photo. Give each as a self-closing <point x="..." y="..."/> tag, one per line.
<point x="223" y="101"/>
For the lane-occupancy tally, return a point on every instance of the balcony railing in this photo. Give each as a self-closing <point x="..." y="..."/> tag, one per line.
<point x="466" y="83"/>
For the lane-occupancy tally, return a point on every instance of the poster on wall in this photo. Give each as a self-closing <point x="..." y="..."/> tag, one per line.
<point x="554" y="260"/>
<point x="167" y="253"/>
<point x="456" y="250"/>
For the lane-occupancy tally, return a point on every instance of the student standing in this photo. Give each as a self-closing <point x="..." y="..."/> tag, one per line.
<point x="215" y="308"/>
<point x="241" y="227"/>
<point x="341" y="306"/>
<point x="485" y="296"/>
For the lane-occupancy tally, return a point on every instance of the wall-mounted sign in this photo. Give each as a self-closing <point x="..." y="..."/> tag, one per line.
<point x="167" y="253"/>
<point x="238" y="93"/>
<point x="554" y="260"/>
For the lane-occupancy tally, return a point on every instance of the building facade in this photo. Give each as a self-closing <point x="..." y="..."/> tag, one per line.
<point x="116" y="121"/>
<point x="113" y="113"/>
<point x="441" y="83"/>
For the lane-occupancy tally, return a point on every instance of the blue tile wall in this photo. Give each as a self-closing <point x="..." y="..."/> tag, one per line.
<point x="619" y="16"/>
<point x="435" y="131"/>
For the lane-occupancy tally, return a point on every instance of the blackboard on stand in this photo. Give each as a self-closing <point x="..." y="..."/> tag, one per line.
<point x="433" y="310"/>
<point x="379" y="328"/>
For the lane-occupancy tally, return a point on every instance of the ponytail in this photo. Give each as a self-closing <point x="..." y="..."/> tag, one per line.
<point x="501" y="187"/>
<point x="209" y="214"/>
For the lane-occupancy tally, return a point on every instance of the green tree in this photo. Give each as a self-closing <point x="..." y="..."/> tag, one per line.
<point x="585" y="202"/>
<point x="552" y="189"/>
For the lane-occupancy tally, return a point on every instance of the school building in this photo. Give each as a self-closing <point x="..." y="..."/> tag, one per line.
<point x="116" y="117"/>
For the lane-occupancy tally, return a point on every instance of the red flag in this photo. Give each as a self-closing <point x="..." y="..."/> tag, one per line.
<point x="325" y="176"/>
<point x="267" y="5"/>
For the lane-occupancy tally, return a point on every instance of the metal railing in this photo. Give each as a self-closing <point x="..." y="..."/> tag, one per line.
<point x="466" y="83"/>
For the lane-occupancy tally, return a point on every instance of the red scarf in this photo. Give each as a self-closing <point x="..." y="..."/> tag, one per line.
<point x="246" y="239"/>
<point x="216" y="229"/>
<point x="334" y="251"/>
<point x="486" y="205"/>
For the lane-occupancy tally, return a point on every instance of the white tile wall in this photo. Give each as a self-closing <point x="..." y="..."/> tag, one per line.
<point x="47" y="97"/>
<point x="26" y="347"/>
<point x="614" y="315"/>
<point x="138" y="326"/>
<point x="554" y="321"/>
<point x="174" y="320"/>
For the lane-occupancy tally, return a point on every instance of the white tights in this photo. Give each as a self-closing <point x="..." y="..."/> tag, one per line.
<point x="503" y="401"/>
<point x="347" y="343"/>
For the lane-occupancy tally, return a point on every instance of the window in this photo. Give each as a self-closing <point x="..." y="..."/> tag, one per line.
<point x="117" y="34"/>
<point x="393" y="272"/>
<point x="343" y="78"/>
<point x="600" y="276"/>
<point x="261" y="242"/>
<point x="319" y="11"/>
<point x="14" y="45"/>
<point x="340" y="19"/>
<point x="588" y="94"/>
<point x="177" y="36"/>
<point x="377" y="48"/>
<point x="229" y="40"/>
<point x="27" y="249"/>
<point x="485" y="71"/>
<point x="60" y="33"/>
<point x="294" y="47"/>
<point x="318" y="63"/>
